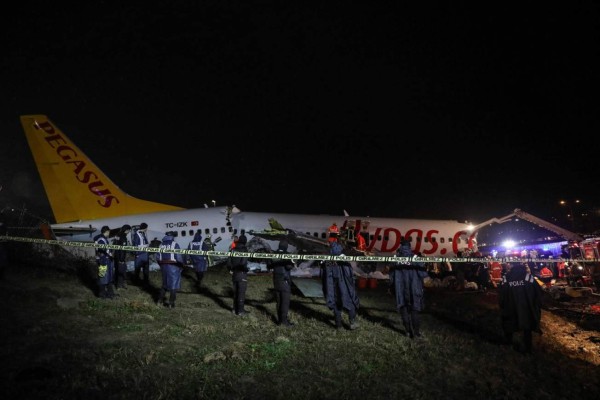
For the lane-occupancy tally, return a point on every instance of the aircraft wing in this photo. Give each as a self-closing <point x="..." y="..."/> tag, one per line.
<point x="303" y="242"/>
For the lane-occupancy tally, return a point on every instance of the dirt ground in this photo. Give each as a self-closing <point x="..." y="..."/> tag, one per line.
<point x="571" y="324"/>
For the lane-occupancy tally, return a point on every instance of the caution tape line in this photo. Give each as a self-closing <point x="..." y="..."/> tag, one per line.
<point x="301" y="257"/>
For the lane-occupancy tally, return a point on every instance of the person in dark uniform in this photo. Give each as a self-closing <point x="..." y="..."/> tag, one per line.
<point x="199" y="262"/>
<point x="520" y="300"/>
<point x="238" y="266"/>
<point x="406" y="278"/>
<point x="142" y="258"/>
<point x="282" y="283"/>
<point x="121" y="257"/>
<point x="171" y="266"/>
<point x="339" y="288"/>
<point x="104" y="260"/>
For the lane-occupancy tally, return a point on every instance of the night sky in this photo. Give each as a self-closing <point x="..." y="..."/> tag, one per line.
<point x="381" y="109"/>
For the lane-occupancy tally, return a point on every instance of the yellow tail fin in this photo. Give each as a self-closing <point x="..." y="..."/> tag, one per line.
<point x="76" y="188"/>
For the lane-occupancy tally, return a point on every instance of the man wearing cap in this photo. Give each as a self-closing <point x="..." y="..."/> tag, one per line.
<point x="121" y="257"/>
<point x="142" y="261"/>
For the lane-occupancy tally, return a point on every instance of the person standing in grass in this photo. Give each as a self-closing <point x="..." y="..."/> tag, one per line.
<point x="282" y="283"/>
<point x="121" y="257"/>
<point x="171" y="266"/>
<point x="142" y="257"/>
<point x="104" y="260"/>
<point x="339" y="288"/>
<point x="406" y="278"/>
<point x="520" y="301"/>
<point x="238" y="266"/>
<point x="199" y="262"/>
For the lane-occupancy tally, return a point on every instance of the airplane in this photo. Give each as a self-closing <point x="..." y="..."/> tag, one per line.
<point x="83" y="199"/>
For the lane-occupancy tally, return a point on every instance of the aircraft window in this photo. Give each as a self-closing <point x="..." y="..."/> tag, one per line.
<point x="207" y="231"/>
<point x="441" y="240"/>
<point x="183" y="233"/>
<point x="449" y="240"/>
<point x="386" y="238"/>
<point x="235" y="231"/>
<point x="323" y="235"/>
<point x="426" y="240"/>
<point x="432" y="240"/>
<point x="223" y="229"/>
<point x="215" y="231"/>
<point x="230" y="229"/>
<point x="191" y="232"/>
<point x="418" y="238"/>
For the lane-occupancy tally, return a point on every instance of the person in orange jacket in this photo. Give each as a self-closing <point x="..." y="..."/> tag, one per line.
<point x="334" y="232"/>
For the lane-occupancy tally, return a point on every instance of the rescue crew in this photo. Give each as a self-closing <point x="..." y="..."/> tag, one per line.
<point x="334" y="232"/>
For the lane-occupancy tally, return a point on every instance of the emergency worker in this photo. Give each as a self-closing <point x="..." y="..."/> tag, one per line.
<point x="233" y="242"/>
<point x="546" y="275"/>
<point x="171" y="266"/>
<point x="199" y="262"/>
<point x="520" y="301"/>
<point x="361" y="243"/>
<point x="496" y="272"/>
<point x="282" y="283"/>
<point x="121" y="257"/>
<point x="406" y="278"/>
<point x="238" y="266"/>
<point x="142" y="260"/>
<point x="334" y="232"/>
<point x="104" y="260"/>
<point x="339" y="288"/>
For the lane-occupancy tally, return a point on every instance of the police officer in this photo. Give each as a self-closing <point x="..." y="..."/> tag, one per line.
<point x="339" y="288"/>
<point x="199" y="262"/>
<point x="171" y="266"/>
<point x="282" y="283"/>
<point x="406" y="278"/>
<point x="520" y="300"/>
<point x="238" y="266"/>
<point x="105" y="265"/>
<point x="121" y="257"/>
<point x="142" y="260"/>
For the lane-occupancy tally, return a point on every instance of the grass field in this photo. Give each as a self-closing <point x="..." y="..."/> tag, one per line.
<point x="59" y="341"/>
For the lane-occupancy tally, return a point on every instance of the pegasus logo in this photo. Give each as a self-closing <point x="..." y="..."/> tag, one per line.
<point x="81" y="170"/>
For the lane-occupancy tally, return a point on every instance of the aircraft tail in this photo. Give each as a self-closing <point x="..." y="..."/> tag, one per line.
<point x="75" y="186"/>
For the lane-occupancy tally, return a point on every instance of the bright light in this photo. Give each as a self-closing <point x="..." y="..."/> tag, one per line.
<point x="508" y="244"/>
